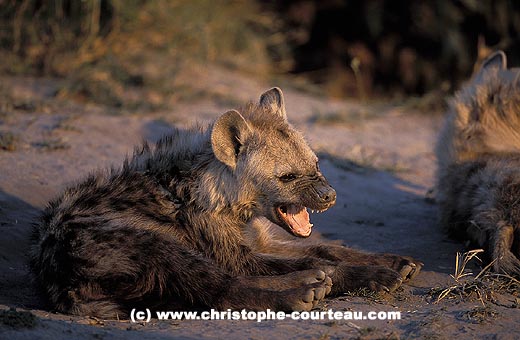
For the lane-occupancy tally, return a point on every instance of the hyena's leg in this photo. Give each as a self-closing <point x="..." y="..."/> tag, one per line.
<point x="406" y="266"/>
<point x="288" y="281"/>
<point x="376" y="278"/>
<point x="344" y="277"/>
<point x="500" y="248"/>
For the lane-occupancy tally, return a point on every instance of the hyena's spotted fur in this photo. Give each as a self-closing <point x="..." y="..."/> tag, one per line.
<point x="186" y="224"/>
<point x="478" y="180"/>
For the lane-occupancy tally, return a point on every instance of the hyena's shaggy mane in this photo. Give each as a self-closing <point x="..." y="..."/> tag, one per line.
<point x="483" y="118"/>
<point x="211" y="185"/>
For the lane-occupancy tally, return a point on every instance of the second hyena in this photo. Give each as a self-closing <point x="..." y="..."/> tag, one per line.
<point x="478" y="179"/>
<point x="187" y="224"/>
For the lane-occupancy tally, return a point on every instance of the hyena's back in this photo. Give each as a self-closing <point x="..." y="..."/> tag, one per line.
<point x="478" y="179"/>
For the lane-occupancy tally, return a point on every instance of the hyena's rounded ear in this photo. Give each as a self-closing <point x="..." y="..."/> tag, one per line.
<point x="273" y="100"/>
<point x="228" y="135"/>
<point x="496" y="59"/>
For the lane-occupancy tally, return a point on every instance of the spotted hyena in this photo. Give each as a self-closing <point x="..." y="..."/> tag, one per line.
<point x="187" y="223"/>
<point x="478" y="179"/>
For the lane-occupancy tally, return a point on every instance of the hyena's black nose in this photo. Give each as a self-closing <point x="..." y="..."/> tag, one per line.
<point x="328" y="195"/>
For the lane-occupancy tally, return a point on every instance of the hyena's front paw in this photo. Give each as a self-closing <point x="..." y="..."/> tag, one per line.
<point x="307" y="297"/>
<point x="383" y="279"/>
<point x="379" y="279"/>
<point x="408" y="267"/>
<point x="404" y="265"/>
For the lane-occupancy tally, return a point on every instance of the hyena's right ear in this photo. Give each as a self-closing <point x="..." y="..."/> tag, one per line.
<point x="228" y="134"/>
<point x="273" y="100"/>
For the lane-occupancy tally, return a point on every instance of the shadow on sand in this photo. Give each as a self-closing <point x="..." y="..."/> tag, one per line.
<point x="16" y="220"/>
<point x="379" y="212"/>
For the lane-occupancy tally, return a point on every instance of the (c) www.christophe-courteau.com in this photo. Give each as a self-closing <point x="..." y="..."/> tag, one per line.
<point x="259" y="316"/>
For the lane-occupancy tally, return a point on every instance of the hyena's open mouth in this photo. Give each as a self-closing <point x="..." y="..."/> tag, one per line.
<point x="297" y="218"/>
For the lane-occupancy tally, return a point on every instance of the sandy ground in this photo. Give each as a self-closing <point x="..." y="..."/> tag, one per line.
<point x="378" y="158"/>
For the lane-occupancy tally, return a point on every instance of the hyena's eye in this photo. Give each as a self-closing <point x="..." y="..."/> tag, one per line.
<point x="288" y="177"/>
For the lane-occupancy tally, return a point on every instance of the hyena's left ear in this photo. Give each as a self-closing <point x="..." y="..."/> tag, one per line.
<point x="228" y="135"/>
<point x="273" y="100"/>
<point x="496" y="59"/>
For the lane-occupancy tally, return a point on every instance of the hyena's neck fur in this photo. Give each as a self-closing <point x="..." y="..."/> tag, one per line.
<point x="185" y="164"/>
<point x="207" y="192"/>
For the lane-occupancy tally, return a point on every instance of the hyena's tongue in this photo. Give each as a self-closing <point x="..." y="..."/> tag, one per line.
<point x="298" y="219"/>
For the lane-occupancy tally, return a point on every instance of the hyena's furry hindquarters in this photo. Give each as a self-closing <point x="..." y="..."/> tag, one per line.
<point x="168" y="229"/>
<point x="478" y="179"/>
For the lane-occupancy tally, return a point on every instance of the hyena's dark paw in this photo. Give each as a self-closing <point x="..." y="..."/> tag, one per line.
<point x="307" y="297"/>
<point x="408" y="268"/>
<point x="507" y="263"/>
<point x="404" y="265"/>
<point x="504" y="249"/>
<point x="384" y="280"/>
<point x="380" y="279"/>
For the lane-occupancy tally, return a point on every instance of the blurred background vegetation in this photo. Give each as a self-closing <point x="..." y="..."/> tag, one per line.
<point x="357" y="48"/>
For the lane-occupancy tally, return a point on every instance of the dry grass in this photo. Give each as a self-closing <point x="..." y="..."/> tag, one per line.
<point x="366" y="293"/>
<point x="480" y="314"/>
<point x="128" y="55"/>
<point x="51" y="144"/>
<point x="8" y="141"/>
<point x="482" y="286"/>
<point x="59" y="36"/>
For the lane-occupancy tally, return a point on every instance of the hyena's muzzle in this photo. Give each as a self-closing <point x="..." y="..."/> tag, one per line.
<point x="312" y="192"/>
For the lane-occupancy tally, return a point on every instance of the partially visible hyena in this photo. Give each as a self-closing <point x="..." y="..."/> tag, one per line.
<point x="478" y="180"/>
<point x="188" y="223"/>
